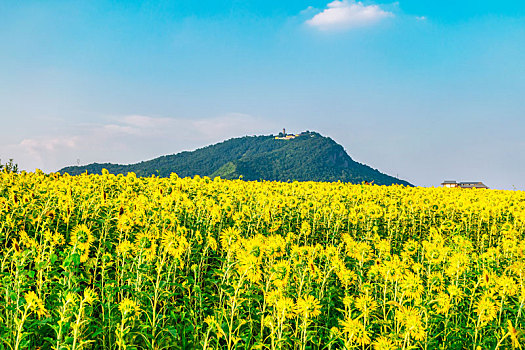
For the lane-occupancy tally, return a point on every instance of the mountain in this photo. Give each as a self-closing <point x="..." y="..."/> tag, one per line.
<point x="308" y="156"/>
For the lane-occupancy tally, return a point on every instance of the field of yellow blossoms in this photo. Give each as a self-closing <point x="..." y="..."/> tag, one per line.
<point x="120" y="262"/>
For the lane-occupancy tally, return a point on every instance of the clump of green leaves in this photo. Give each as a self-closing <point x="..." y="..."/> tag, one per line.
<point x="9" y="167"/>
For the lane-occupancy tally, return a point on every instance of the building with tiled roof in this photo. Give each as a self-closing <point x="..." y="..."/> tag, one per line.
<point x="468" y="184"/>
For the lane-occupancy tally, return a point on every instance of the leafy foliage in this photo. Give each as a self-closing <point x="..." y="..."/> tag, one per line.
<point x="309" y="157"/>
<point x="9" y="167"/>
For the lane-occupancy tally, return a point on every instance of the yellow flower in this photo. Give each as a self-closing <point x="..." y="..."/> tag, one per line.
<point x="335" y="332"/>
<point x="31" y="298"/>
<point x="345" y="275"/>
<point x="124" y="222"/>
<point x="212" y="243"/>
<point x="348" y="300"/>
<point x="383" y="247"/>
<point x="210" y="321"/>
<point x="90" y="296"/>
<point x="454" y="291"/>
<point x="35" y="304"/>
<point x="443" y="304"/>
<point x="411" y="286"/>
<point x="505" y="286"/>
<point x="81" y="236"/>
<point x="71" y="298"/>
<point x="284" y="307"/>
<point x="146" y="244"/>
<point x="435" y="253"/>
<point x="384" y="343"/>
<point x="57" y="239"/>
<point x="308" y="307"/>
<point x="129" y="308"/>
<point x="306" y="229"/>
<point x="124" y="247"/>
<point x="410" y="247"/>
<point x="176" y="244"/>
<point x="366" y="304"/>
<point x="410" y="319"/>
<point x="29" y="242"/>
<point x="355" y="331"/>
<point x="81" y="239"/>
<point x="280" y="274"/>
<point x="360" y="251"/>
<point x="513" y="335"/>
<point x="228" y="236"/>
<point x="249" y="266"/>
<point x="486" y="309"/>
<point x="436" y="281"/>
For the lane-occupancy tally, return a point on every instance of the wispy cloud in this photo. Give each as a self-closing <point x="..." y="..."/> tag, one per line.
<point x="129" y="139"/>
<point x="346" y="14"/>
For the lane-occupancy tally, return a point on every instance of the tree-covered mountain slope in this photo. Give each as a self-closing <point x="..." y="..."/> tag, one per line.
<point x="307" y="157"/>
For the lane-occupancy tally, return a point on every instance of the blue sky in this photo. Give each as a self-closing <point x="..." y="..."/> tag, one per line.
<point x="427" y="90"/>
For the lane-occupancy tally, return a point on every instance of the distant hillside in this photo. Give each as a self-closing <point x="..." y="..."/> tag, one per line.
<point x="308" y="157"/>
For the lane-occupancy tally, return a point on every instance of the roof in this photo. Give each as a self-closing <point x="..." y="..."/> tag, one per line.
<point x="478" y="184"/>
<point x="464" y="184"/>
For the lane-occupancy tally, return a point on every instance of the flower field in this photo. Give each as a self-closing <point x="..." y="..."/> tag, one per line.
<point x="120" y="262"/>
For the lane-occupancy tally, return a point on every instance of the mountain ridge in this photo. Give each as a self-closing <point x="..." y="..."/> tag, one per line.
<point x="308" y="156"/>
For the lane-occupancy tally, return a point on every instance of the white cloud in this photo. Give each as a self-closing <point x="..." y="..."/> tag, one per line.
<point x="309" y="11"/>
<point x="129" y="139"/>
<point x="345" y="14"/>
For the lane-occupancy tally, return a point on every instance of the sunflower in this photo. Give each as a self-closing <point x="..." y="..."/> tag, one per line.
<point x="355" y="331"/>
<point x="411" y="286"/>
<point x="175" y="243"/>
<point x="366" y="304"/>
<point x="436" y="281"/>
<point x="146" y="244"/>
<point x="90" y="296"/>
<point x="506" y="286"/>
<point x="228" y="236"/>
<point x="308" y="307"/>
<point x="35" y="304"/>
<point x="124" y="247"/>
<point x="384" y="343"/>
<point x="443" y="304"/>
<point x="486" y="309"/>
<point x="249" y="267"/>
<point x="410" y="319"/>
<point x="81" y="238"/>
<point x="284" y="307"/>
<point x="513" y="335"/>
<point x="306" y="229"/>
<point x="280" y="274"/>
<point x="211" y="242"/>
<point x="129" y="308"/>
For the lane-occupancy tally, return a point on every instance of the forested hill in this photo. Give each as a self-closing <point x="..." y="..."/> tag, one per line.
<point x="307" y="157"/>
